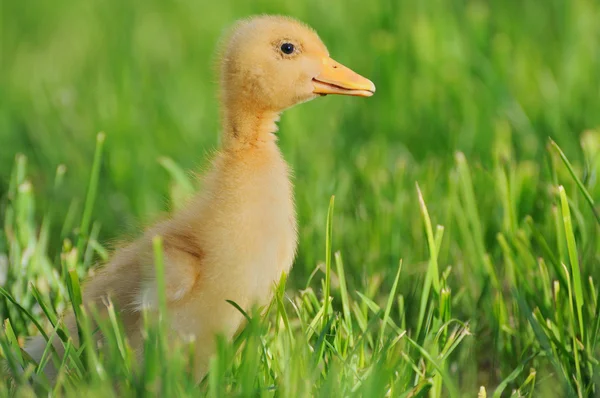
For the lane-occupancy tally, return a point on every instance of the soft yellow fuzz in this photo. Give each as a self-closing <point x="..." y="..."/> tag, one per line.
<point x="233" y="240"/>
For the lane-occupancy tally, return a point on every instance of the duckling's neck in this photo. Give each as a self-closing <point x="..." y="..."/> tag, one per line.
<point x="247" y="126"/>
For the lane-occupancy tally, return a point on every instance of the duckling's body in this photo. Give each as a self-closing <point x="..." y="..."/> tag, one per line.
<point x="232" y="242"/>
<point x="239" y="235"/>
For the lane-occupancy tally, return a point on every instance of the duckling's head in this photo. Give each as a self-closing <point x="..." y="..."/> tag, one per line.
<point x="271" y="63"/>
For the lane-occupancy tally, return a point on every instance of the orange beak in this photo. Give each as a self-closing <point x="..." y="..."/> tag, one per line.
<point x="335" y="78"/>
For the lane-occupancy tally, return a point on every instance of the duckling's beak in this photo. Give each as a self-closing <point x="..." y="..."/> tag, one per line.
<point x="335" y="78"/>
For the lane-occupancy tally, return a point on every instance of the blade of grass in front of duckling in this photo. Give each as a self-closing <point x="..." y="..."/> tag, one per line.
<point x="47" y="354"/>
<point x="12" y="340"/>
<point x="327" y="285"/>
<point x="90" y="249"/>
<point x="6" y="348"/>
<point x="59" y="329"/>
<point x="117" y="333"/>
<point x="33" y="319"/>
<point x="94" y="367"/>
<point x="250" y="366"/>
<point x="45" y="358"/>
<point x="281" y="312"/>
<point x="217" y="383"/>
<point x="240" y="309"/>
<point x="160" y="326"/>
<point x="48" y="310"/>
<point x="60" y="379"/>
<point x="584" y="191"/>
<point x="50" y="313"/>
<point x="116" y="356"/>
<point x="159" y="269"/>
<point x="328" y="239"/>
<point x="74" y="290"/>
<point x="91" y="195"/>
<point x="153" y="365"/>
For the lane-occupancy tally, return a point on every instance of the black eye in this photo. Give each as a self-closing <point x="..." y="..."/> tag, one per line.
<point x="287" y="48"/>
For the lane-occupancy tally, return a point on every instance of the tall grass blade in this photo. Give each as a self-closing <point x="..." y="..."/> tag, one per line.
<point x="574" y="260"/>
<point x="328" y="241"/>
<point x="91" y="194"/>
<point x="582" y="189"/>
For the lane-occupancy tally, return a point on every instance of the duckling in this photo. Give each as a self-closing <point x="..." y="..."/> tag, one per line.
<point x="236" y="238"/>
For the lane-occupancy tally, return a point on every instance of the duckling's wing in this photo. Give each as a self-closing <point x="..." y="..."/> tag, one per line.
<point x="182" y="264"/>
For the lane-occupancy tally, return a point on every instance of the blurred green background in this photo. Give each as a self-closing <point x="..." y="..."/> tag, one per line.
<point x="491" y="79"/>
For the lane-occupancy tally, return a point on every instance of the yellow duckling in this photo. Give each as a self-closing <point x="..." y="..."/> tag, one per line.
<point x="234" y="240"/>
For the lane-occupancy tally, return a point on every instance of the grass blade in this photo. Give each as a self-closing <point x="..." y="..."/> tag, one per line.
<point x="91" y="194"/>
<point x="390" y="301"/>
<point x="159" y="269"/>
<point x="585" y="193"/>
<point x="329" y="236"/>
<point x="574" y="260"/>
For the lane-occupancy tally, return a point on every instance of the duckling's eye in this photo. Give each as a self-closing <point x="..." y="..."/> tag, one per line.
<point x="287" y="48"/>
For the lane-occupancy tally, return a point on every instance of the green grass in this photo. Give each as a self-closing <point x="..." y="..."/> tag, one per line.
<point x="485" y="273"/>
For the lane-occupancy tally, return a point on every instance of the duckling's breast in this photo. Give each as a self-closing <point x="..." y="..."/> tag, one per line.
<point x="246" y="223"/>
<point x="265" y="233"/>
